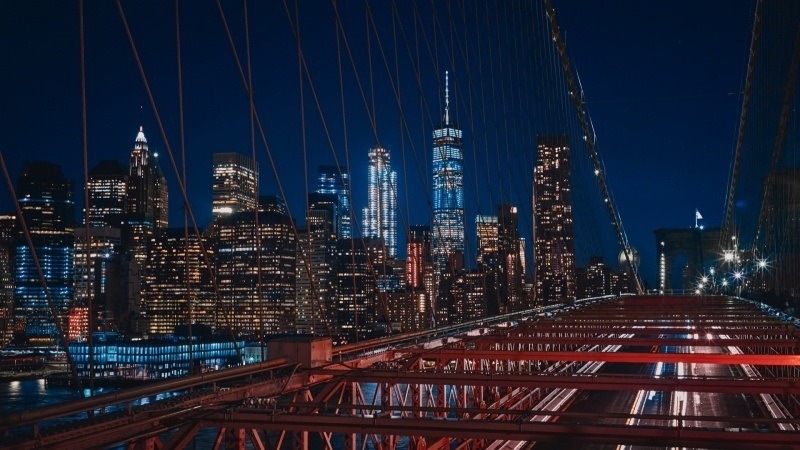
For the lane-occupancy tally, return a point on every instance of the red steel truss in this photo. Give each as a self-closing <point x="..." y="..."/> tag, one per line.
<point x="654" y="370"/>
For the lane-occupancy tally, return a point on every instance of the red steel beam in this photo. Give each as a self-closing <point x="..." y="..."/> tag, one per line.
<point x="637" y="342"/>
<point x="517" y="430"/>
<point x="613" y="357"/>
<point x="596" y="383"/>
<point x="555" y="327"/>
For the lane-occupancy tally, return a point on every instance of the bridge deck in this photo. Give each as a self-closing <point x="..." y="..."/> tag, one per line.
<point x="719" y="372"/>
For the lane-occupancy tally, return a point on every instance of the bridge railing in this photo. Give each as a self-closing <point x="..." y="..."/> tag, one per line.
<point x="415" y="337"/>
<point x="22" y="418"/>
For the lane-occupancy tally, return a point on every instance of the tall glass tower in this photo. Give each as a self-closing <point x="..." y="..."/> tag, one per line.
<point x="448" y="190"/>
<point x="331" y="181"/>
<point x="46" y="199"/>
<point x="380" y="215"/>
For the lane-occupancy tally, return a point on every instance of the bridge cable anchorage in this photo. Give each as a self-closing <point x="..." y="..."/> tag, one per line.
<point x="42" y="279"/>
<point x="728" y="221"/>
<point x="786" y="111"/>
<point x="174" y="164"/>
<point x="576" y="99"/>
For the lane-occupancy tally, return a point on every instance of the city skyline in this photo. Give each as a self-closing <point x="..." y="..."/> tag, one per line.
<point x="207" y="133"/>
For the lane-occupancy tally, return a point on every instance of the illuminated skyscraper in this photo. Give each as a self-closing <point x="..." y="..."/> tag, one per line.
<point x="315" y="256"/>
<point x="108" y="192"/>
<point x="147" y="187"/>
<point x="245" y="306"/>
<point x="511" y="283"/>
<point x="380" y="214"/>
<point x="554" y="244"/>
<point x="173" y="279"/>
<point x="235" y="184"/>
<point x="147" y="202"/>
<point x="106" y="246"/>
<point x="8" y="230"/>
<point x="489" y="264"/>
<point x="331" y="181"/>
<point x="46" y="199"/>
<point x="448" y="191"/>
<point x="355" y="288"/>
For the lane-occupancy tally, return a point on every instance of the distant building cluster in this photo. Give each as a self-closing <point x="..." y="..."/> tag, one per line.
<point x="255" y="272"/>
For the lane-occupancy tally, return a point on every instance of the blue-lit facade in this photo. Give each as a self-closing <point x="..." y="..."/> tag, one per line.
<point x="448" y="190"/>
<point x="380" y="214"/>
<point x="46" y="199"/>
<point x="331" y="181"/>
<point x="152" y="358"/>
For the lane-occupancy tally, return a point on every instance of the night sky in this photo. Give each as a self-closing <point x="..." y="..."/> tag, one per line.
<point x="661" y="81"/>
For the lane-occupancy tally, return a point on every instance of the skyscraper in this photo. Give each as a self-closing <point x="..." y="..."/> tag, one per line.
<point x="147" y="187"/>
<point x="315" y="256"/>
<point x="554" y="245"/>
<point x="106" y="243"/>
<point x="489" y="264"/>
<point x="380" y="214"/>
<point x="511" y="287"/>
<point x="235" y="184"/>
<point x="108" y="192"/>
<point x="269" y="308"/>
<point x="331" y="181"/>
<point x="448" y="191"/>
<point x="46" y="199"/>
<point x="175" y="278"/>
<point x="355" y="288"/>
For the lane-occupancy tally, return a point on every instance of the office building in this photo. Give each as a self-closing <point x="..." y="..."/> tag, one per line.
<point x="246" y="305"/>
<point x="235" y="184"/>
<point x="108" y="193"/>
<point x="177" y="282"/>
<point x="447" y="230"/>
<point x="46" y="199"/>
<point x="336" y="180"/>
<point x="554" y="240"/>
<point x="380" y="214"/>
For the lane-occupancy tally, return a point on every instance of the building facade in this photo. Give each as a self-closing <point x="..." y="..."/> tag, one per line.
<point x="448" y="225"/>
<point x="246" y="305"/>
<point x="108" y="193"/>
<point x="380" y="214"/>
<point x="46" y="199"/>
<point x="177" y="285"/>
<point x="554" y="237"/>
<point x="336" y="180"/>
<point x="235" y="184"/>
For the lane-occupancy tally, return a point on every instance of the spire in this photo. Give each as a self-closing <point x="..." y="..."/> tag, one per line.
<point x="446" y="98"/>
<point x="140" y="137"/>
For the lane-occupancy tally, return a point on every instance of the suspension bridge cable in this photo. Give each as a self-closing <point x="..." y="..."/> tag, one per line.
<point x="623" y="241"/>
<point x="86" y="205"/>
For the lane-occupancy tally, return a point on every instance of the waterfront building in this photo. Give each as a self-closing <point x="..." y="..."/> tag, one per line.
<point x="121" y="359"/>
